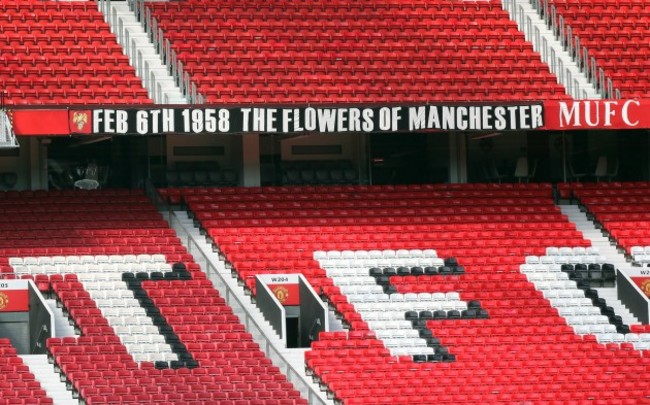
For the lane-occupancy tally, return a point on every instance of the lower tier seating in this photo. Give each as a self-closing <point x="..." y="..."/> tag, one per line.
<point x="17" y="384"/>
<point x="484" y="291"/>
<point x="152" y="328"/>
<point x="621" y="208"/>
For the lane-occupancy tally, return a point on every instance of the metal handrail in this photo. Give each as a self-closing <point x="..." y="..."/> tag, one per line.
<point x="569" y="41"/>
<point x="238" y="308"/>
<point x="580" y="53"/>
<point x="164" y="49"/>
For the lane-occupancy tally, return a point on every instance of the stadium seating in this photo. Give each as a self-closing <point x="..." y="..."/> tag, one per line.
<point x="153" y="329"/>
<point x="616" y="34"/>
<point x="361" y="51"/>
<point x="463" y="286"/>
<point x="457" y="220"/>
<point x="63" y="53"/>
<point x="621" y="208"/>
<point x="17" y="384"/>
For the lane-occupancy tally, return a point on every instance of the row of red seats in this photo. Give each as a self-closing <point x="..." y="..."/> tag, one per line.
<point x="498" y="229"/>
<point x="622" y="28"/>
<point x="17" y="384"/>
<point x="80" y="23"/>
<point x="455" y="189"/>
<point x="254" y="24"/>
<point x="315" y="6"/>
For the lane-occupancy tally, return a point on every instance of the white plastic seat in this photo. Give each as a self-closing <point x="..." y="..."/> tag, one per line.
<point x="559" y="260"/>
<point x="631" y="337"/>
<point x="402" y="254"/>
<point x="375" y="254"/>
<point x="144" y="258"/>
<point x="642" y="345"/>
<point x="532" y="259"/>
<point x="410" y="297"/>
<point x="606" y="337"/>
<point x="581" y="329"/>
<point x="87" y="259"/>
<point x="15" y="261"/>
<point x="452" y="296"/>
<point x="397" y="297"/>
<point x="592" y="250"/>
<point x="527" y="268"/>
<point x="388" y="254"/>
<point x="116" y="259"/>
<point x="122" y="330"/>
<point x="547" y="260"/>
<point x="320" y="255"/>
<point x="425" y="296"/>
<point x="416" y="253"/>
<point x="101" y="259"/>
<point x="50" y="269"/>
<point x="596" y="329"/>
<point x="130" y="258"/>
<point x="438" y="296"/>
<point x="361" y="254"/>
<point x="43" y="260"/>
<point x="430" y="253"/>
<point x="30" y="261"/>
<point x="566" y="251"/>
<point x="580" y="251"/>
<point x="70" y="260"/>
<point x="21" y="269"/>
<point x="552" y="251"/>
<point x="159" y="258"/>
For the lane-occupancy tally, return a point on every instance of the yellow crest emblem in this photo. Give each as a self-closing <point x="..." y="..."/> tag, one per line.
<point x="281" y="293"/>
<point x="80" y="119"/>
<point x="645" y="287"/>
<point x="4" y="300"/>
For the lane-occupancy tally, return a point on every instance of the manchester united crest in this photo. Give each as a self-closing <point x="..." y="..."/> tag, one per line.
<point x="645" y="287"/>
<point x="80" y="119"/>
<point x="4" y="300"/>
<point x="282" y="294"/>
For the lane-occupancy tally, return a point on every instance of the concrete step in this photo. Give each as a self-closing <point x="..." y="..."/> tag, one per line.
<point x="539" y="31"/>
<point x="49" y="379"/>
<point x="61" y="322"/>
<point x="611" y="296"/>
<point x="138" y="43"/>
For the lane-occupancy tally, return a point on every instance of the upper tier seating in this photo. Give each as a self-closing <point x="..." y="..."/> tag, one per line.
<point x="354" y="51"/>
<point x="617" y="34"/>
<point x="17" y="384"/>
<point x="454" y="293"/>
<point x="153" y="329"/>
<point x="63" y="53"/>
<point x="622" y="210"/>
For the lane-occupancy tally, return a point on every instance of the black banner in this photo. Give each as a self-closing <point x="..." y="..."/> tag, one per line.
<point x="207" y="120"/>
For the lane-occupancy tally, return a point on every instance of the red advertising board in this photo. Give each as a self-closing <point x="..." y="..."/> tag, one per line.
<point x="287" y="294"/>
<point x="597" y="114"/>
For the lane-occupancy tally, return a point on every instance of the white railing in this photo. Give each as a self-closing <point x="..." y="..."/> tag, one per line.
<point x="162" y="46"/>
<point x="251" y="323"/>
<point x="7" y="134"/>
<point x="547" y="52"/>
<point x="572" y="44"/>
